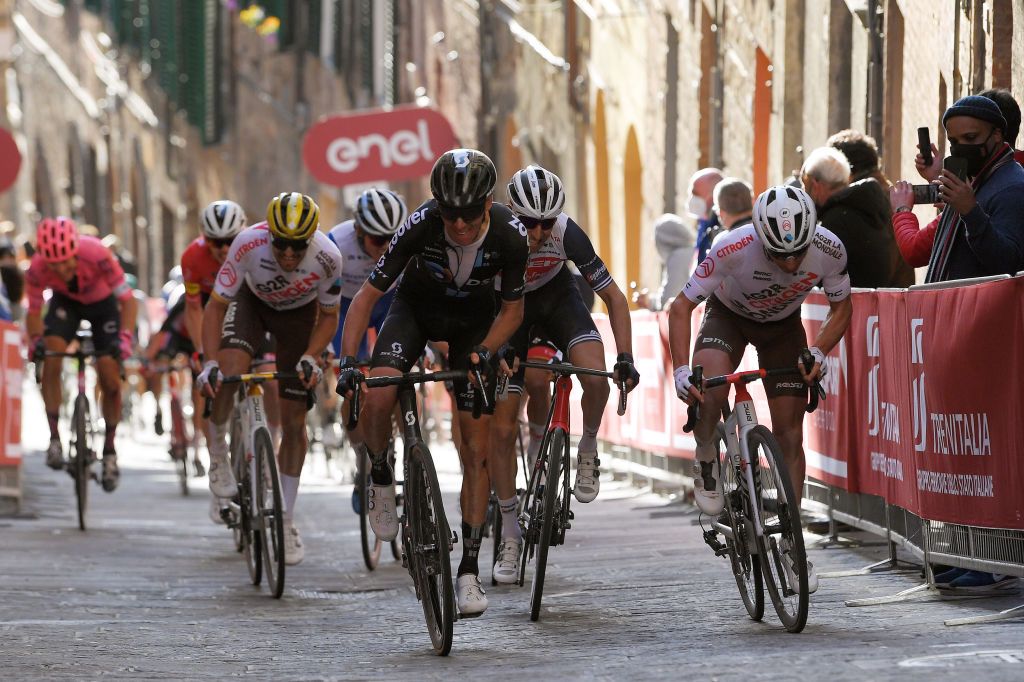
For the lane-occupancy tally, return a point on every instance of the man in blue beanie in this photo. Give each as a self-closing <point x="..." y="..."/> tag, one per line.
<point x="981" y="229"/>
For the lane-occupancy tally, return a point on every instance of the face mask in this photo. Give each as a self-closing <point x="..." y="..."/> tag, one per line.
<point x="974" y="154"/>
<point x="697" y="207"/>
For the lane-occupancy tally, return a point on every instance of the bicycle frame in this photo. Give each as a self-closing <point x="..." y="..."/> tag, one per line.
<point x="738" y="423"/>
<point x="253" y="417"/>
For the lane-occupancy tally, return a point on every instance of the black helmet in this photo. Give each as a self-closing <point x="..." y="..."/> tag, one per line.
<point x="462" y="177"/>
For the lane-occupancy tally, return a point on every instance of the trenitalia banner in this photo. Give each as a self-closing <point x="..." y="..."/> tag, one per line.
<point x="922" y="406"/>
<point x="378" y="145"/>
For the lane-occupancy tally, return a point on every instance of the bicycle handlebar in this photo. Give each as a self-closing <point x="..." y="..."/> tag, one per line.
<point x="568" y="369"/>
<point x="256" y="378"/>
<point x="79" y="354"/>
<point x="407" y="379"/>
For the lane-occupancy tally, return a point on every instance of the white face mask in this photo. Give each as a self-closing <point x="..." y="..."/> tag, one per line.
<point x="697" y="207"/>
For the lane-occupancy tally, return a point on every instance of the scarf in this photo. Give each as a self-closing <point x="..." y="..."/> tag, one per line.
<point x="950" y="222"/>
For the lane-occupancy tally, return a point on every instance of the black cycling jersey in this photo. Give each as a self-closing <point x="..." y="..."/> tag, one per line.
<point x="435" y="269"/>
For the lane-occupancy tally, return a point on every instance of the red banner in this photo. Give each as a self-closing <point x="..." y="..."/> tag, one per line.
<point x="378" y="145"/>
<point x="11" y="369"/>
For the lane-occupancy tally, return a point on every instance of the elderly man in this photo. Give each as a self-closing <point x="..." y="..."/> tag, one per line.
<point x="734" y="202"/>
<point x="858" y="215"/>
<point x="700" y="205"/>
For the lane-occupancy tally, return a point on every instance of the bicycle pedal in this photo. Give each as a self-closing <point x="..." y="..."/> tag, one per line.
<point x="711" y="539"/>
<point x="572" y="515"/>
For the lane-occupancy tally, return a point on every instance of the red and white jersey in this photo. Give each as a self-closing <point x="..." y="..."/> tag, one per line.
<point x="98" y="276"/>
<point x="198" y="269"/>
<point x="738" y="271"/>
<point x="250" y="259"/>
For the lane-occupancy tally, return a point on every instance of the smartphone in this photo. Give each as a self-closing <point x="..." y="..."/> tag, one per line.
<point x="926" y="194"/>
<point x="955" y="165"/>
<point x="924" y="143"/>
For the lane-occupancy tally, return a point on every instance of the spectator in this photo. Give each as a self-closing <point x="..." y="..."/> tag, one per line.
<point x="859" y="215"/>
<point x="861" y="151"/>
<point x="734" y="203"/>
<point x="700" y="205"/>
<point x="12" y="282"/>
<point x="674" y="240"/>
<point x="1011" y="112"/>
<point x="981" y="230"/>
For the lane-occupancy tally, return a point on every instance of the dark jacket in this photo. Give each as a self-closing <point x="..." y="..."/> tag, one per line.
<point x="860" y="216"/>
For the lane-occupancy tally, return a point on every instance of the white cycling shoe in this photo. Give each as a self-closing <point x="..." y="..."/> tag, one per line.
<point x="506" y="568"/>
<point x="380" y="507"/>
<point x="707" y="487"/>
<point x="294" y="552"/>
<point x="222" y="478"/>
<point x="791" y="576"/>
<point x="470" y="596"/>
<point x="588" y="477"/>
<point x="215" y="516"/>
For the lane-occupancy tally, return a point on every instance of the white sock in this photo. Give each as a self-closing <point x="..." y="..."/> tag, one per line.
<point x="706" y="453"/>
<point x="217" y="439"/>
<point x="509" y="523"/>
<point x="290" y="491"/>
<point x="588" y="441"/>
<point x="536" y="436"/>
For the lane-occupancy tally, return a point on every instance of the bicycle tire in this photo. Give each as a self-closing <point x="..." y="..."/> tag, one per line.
<point x="236" y="455"/>
<point x="248" y="539"/>
<point x="271" y="511"/>
<point x="427" y="539"/>
<point x="531" y="516"/>
<point x="745" y="564"/>
<point x="555" y="457"/>
<point x="81" y="464"/>
<point x="371" y="544"/>
<point x="779" y="519"/>
<point x="496" y="529"/>
<point x="179" y="443"/>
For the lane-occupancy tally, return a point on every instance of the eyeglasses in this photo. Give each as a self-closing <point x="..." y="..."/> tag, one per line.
<point x="221" y="243"/>
<point x="296" y="245"/>
<point x="544" y="224"/>
<point x="467" y="213"/>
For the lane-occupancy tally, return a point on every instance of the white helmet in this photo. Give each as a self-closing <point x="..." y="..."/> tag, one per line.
<point x="785" y="219"/>
<point x="535" y="192"/>
<point x="380" y="212"/>
<point x="223" y="219"/>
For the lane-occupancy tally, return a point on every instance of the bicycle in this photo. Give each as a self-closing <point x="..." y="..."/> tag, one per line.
<point x="546" y="514"/>
<point x="81" y="455"/>
<point x="183" y="440"/>
<point x="752" y="469"/>
<point x="427" y="539"/>
<point x="256" y="514"/>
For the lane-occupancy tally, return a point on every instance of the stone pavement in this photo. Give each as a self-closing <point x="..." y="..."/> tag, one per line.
<point x="154" y="590"/>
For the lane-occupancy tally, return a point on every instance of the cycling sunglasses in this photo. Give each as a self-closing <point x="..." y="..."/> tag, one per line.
<point x="296" y="245"/>
<point x="543" y="223"/>
<point x="222" y="243"/>
<point x="377" y="240"/>
<point x="467" y="213"/>
<point x="790" y="255"/>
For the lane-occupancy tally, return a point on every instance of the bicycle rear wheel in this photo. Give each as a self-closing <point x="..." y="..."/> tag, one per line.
<point x="428" y="548"/>
<point x="371" y="543"/>
<point x="780" y="519"/>
<point x="556" y="457"/>
<point x="745" y="564"/>
<point x="270" y="510"/>
<point x="247" y="536"/>
<point x="179" y="443"/>
<point x="494" y="510"/>
<point x="81" y="459"/>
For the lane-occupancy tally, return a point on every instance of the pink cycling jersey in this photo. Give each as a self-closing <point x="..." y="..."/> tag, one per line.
<point x="97" y="277"/>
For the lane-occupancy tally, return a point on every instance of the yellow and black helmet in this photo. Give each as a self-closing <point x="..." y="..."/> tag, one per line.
<point x="291" y="215"/>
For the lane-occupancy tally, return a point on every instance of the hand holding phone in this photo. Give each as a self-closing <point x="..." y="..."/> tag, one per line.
<point x="955" y="165"/>
<point x="924" y="143"/>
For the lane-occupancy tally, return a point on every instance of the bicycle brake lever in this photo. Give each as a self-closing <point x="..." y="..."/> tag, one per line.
<point x="353" y="410"/>
<point x="622" y="399"/>
<point x="693" y="411"/>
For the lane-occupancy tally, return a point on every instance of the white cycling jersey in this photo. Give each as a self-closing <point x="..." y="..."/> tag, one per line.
<point x="250" y="260"/>
<point x="566" y="241"/>
<point x="739" y="273"/>
<point x="357" y="264"/>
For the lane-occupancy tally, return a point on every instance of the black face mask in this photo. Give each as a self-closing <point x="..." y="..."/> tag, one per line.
<point x="974" y="154"/>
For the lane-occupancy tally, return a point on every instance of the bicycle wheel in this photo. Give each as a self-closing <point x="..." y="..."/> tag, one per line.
<point x="247" y="536"/>
<point x="371" y="543"/>
<point x="428" y="548"/>
<point x="179" y="443"/>
<point x="745" y="564"/>
<point x="271" y="512"/>
<point x="556" y="457"/>
<point x="494" y="510"/>
<point x="780" y="520"/>
<point x="81" y="457"/>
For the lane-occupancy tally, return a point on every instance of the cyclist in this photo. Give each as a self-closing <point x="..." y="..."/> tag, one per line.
<point x="554" y="304"/>
<point x="87" y="283"/>
<point x="282" y="276"/>
<point x="454" y="245"/>
<point x="754" y="280"/>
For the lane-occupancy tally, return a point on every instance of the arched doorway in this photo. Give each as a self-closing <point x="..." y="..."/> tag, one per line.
<point x="633" y="206"/>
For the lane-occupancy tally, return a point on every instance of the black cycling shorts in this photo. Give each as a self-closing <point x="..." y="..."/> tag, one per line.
<point x="176" y="344"/>
<point x="65" y="315"/>
<point x="556" y="313"/>
<point x="411" y="323"/>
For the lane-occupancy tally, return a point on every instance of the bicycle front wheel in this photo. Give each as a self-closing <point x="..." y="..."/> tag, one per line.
<point x="246" y="530"/>
<point x="556" y="458"/>
<point x="781" y="546"/>
<point x="743" y="559"/>
<point x="179" y="443"/>
<point x="371" y="543"/>
<point x="81" y="464"/>
<point x="429" y="548"/>
<point x="271" y="512"/>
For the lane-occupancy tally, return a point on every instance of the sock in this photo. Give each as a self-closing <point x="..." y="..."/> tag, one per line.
<point x="217" y="439"/>
<point x="380" y="472"/>
<point x="705" y="452"/>
<point x="588" y="441"/>
<point x="509" y="522"/>
<point x="108" y="437"/>
<point x="52" y="420"/>
<point x="471" y="540"/>
<point x="289" y="490"/>
<point x="536" y="436"/>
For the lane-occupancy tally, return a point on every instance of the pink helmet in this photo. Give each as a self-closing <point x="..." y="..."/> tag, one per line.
<point x="57" y="239"/>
